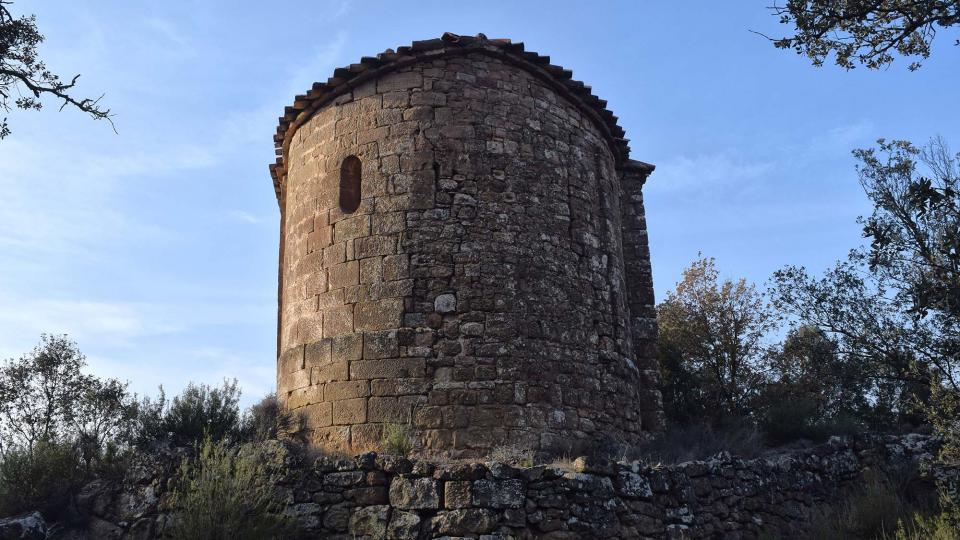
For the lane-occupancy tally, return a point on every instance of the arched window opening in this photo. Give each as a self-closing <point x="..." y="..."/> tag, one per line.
<point x="350" y="172"/>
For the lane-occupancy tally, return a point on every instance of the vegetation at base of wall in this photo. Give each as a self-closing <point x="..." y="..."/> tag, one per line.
<point x="61" y="427"/>
<point x="881" y="507"/>
<point x="920" y="527"/>
<point x="268" y="419"/>
<point x="397" y="439"/>
<point x="43" y="478"/>
<point x="226" y="493"/>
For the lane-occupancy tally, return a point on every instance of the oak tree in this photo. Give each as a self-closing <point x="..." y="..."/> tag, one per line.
<point x="866" y="32"/>
<point x="24" y="78"/>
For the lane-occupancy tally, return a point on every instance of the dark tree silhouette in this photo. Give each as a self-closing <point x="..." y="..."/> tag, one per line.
<point x="868" y="32"/>
<point x="25" y="79"/>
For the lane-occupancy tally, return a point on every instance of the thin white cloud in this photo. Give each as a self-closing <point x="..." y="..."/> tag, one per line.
<point x="682" y="173"/>
<point x="244" y="217"/>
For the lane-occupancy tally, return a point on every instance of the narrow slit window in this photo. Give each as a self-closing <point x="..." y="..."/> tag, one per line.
<point x="350" y="172"/>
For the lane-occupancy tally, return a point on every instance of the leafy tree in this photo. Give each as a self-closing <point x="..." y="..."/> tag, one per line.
<point x="25" y="80"/>
<point x="896" y="304"/>
<point x="875" y="340"/>
<point x="808" y="367"/>
<point x="46" y="397"/>
<point x="813" y="391"/>
<point x="58" y="426"/>
<point x="711" y="344"/>
<point x="868" y="32"/>
<point x="199" y="411"/>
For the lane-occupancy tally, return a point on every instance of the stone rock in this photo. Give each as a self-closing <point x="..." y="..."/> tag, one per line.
<point x="414" y="493"/>
<point x="630" y="484"/>
<point x="403" y="525"/>
<point x="26" y="527"/>
<point x="445" y="303"/>
<point x="456" y="494"/>
<point x="370" y="521"/>
<point x="498" y="494"/>
<point x="464" y="521"/>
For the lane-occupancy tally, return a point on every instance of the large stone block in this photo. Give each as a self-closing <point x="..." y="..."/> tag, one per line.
<point x="387" y="409"/>
<point x="344" y="274"/>
<point x="379" y="315"/>
<point x="350" y="411"/>
<point x="414" y="493"/>
<point x="388" y="368"/>
<point x="338" y="321"/>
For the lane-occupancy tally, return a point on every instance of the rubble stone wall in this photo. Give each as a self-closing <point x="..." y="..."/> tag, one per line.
<point x="492" y="288"/>
<point x="382" y="497"/>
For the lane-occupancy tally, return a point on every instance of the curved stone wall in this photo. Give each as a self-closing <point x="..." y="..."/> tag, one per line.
<point x="479" y="292"/>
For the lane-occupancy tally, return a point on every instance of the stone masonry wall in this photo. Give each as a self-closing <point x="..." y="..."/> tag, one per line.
<point x="383" y="497"/>
<point x="480" y="292"/>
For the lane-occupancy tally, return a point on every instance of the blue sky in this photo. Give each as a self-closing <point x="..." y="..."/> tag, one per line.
<point x="156" y="248"/>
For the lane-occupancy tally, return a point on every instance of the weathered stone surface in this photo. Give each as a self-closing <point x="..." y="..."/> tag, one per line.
<point x="464" y="521"/>
<point x="333" y="497"/>
<point x="631" y="484"/>
<point x="26" y="527"/>
<point x="456" y="494"/>
<point x="370" y="521"/>
<point x="403" y="525"/>
<point x="414" y="493"/>
<point x="445" y="303"/>
<point x="498" y="254"/>
<point x="498" y="494"/>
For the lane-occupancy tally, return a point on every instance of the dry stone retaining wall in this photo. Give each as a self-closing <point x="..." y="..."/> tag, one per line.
<point x="492" y="287"/>
<point x="377" y="497"/>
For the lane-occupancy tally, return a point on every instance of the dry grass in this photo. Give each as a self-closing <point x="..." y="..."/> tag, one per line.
<point x="513" y="455"/>
<point x="694" y="442"/>
<point x="564" y="463"/>
<point x="874" y="509"/>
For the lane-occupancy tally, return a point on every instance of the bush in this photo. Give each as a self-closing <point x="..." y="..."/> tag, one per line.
<point x="269" y="420"/>
<point x="397" y="440"/>
<point x="798" y="419"/>
<point x="43" y="478"/>
<point x="875" y="509"/>
<point x="697" y="441"/>
<point x="920" y="527"/>
<point x="226" y="494"/>
<point x="199" y="411"/>
<point x="202" y="410"/>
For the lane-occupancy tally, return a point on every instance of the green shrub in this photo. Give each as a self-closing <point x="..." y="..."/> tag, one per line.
<point x="199" y="411"/>
<point x="226" y="493"/>
<point x="269" y="420"/>
<point x="397" y="439"/>
<point x="43" y="479"/>
<point x="203" y="410"/>
<point x="920" y="527"/>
